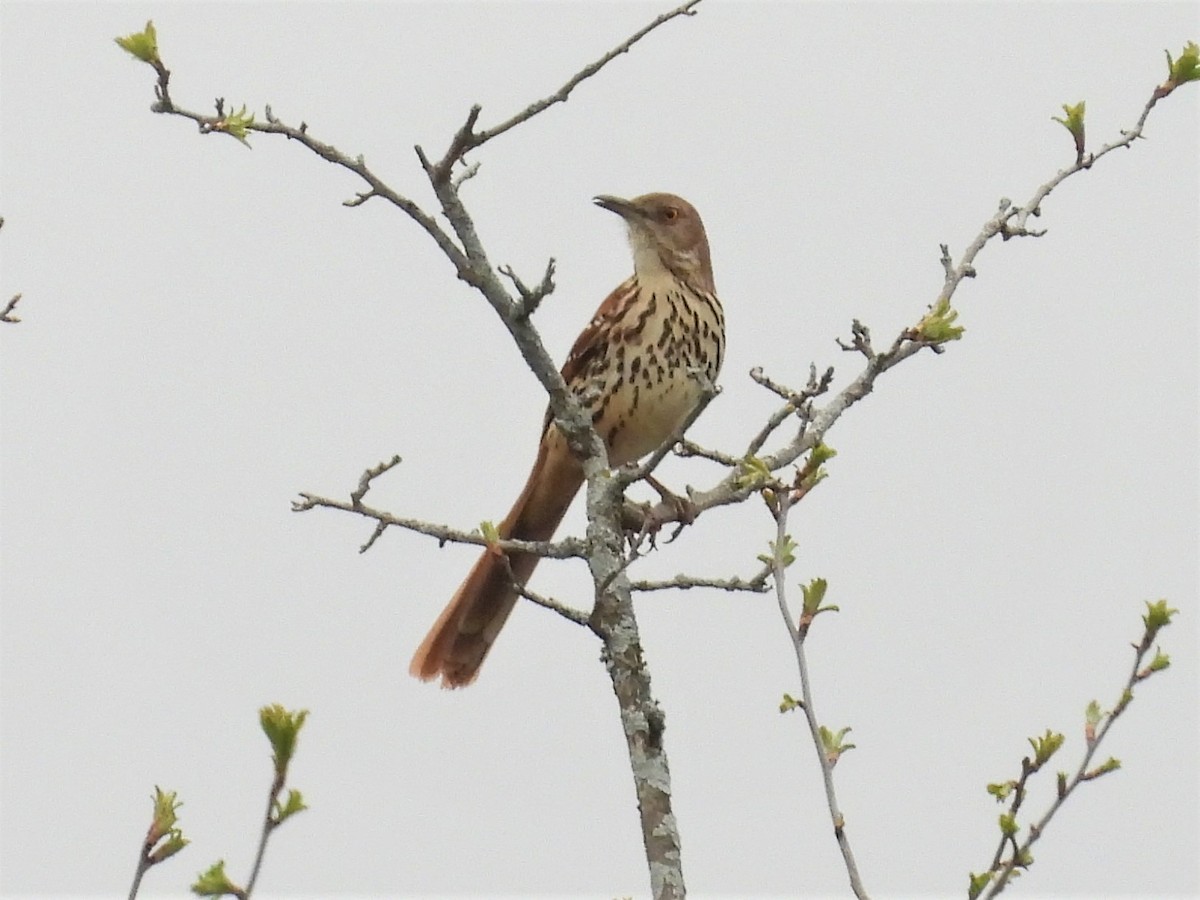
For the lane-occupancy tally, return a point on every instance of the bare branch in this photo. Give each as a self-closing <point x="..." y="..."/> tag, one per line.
<point x="756" y="584"/>
<point x="799" y="404"/>
<point x="569" y="415"/>
<point x="6" y="315"/>
<point x="364" y="481"/>
<point x="860" y="339"/>
<point x="467" y="138"/>
<point x="466" y="174"/>
<point x="274" y="125"/>
<point x="376" y="534"/>
<point x="686" y="448"/>
<point x="567" y="612"/>
<point x="568" y="548"/>
<point x="1012" y="221"/>
<point x="531" y="298"/>
<point x="469" y="260"/>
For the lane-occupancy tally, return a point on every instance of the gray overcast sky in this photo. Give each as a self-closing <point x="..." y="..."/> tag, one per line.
<point x="207" y="332"/>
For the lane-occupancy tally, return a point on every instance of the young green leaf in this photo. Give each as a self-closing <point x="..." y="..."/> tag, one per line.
<point x="1185" y="69"/>
<point x="163" y="835"/>
<point x="785" y="553"/>
<point x="1158" y="615"/>
<point x="1001" y="790"/>
<point x="1074" y="124"/>
<point x="834" y="743"/>
<point x="937" y="326"/>
<point x="287" y="809"/>
<point x="977" y="884"/>
<point x="1109" y="765"/>
<point x="1161" y="661"/>
<point x="814" y="594"/>
<point x="215" y="883"/>
<point x="142" y="45"/>
<point x="813" y="472"/>
<point x="282" y="728"/>
<point x="236" y="124"/>
<point x="1045" y="747"/>
<point x="753" y="473"/>
<point x="1008" y="824"/>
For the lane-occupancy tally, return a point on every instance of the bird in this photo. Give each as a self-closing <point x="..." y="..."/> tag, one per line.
<point x="636" y="368"/>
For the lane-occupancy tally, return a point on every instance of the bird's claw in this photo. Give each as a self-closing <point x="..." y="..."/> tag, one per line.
<point x="643" y="520"/>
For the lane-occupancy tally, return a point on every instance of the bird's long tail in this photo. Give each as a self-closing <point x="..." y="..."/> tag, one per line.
<point x="462" y="635"/>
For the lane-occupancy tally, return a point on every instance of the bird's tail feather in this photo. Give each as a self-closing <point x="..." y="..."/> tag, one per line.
<point x="463" y="634"/>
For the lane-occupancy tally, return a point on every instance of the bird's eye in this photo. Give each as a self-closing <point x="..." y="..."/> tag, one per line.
<point x="670" y="214"/>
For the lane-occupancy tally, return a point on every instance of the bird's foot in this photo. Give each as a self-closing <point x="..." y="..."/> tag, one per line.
<point x="644" y="520"/>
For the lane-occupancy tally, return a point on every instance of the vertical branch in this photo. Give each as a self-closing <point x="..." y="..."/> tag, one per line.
<point x="798" y="633"/>
<point x="642" y="720"/>
<point x="264" y="835"/>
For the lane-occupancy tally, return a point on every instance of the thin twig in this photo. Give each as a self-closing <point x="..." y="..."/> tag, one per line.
<point x="6" y="314"/>
<point x="268" y="827"/>
<point x="369" y="475"/>
<point x="730" y="489"/>
<point x="378" y="188"/>
<point x="799" y="404"/>
<point x="568" y="548"/>
<point x="143" y="867"/>
<point x="756" y="584"/>
<point x="797" y="633"/>
<point x="686" y="448"/>
<point x="531" y="298"/>
<point x="467" y="138"/>
<point x="1003" y="868"/>
<point x="579" y="617"/>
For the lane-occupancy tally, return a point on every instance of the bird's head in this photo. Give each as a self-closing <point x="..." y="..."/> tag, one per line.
<point x="667" y="237"/>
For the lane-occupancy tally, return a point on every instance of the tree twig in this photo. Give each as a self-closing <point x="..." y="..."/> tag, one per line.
<point x="568" y="548"/>
<point x="755" y="584"/>
<point x="467" y="138"/>
<point x="1020" y="853"/>
<point x="797" y="632"/>
<point x="6" y="315"/>
<point x="1008" y="221"/>
<point x="567" y="612"/>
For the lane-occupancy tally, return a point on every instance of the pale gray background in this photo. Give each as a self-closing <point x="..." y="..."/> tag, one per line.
<point x="208" y="332"/>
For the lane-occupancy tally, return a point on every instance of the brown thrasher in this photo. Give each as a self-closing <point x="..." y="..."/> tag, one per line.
<point x="635" y="369"/>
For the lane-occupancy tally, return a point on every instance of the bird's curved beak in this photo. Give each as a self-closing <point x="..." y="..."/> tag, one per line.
<point x="619" y="205"/>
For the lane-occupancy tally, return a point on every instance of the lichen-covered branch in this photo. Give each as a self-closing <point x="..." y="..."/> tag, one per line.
<point x="642" y="721"/>
<point x="756" y="584"/>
